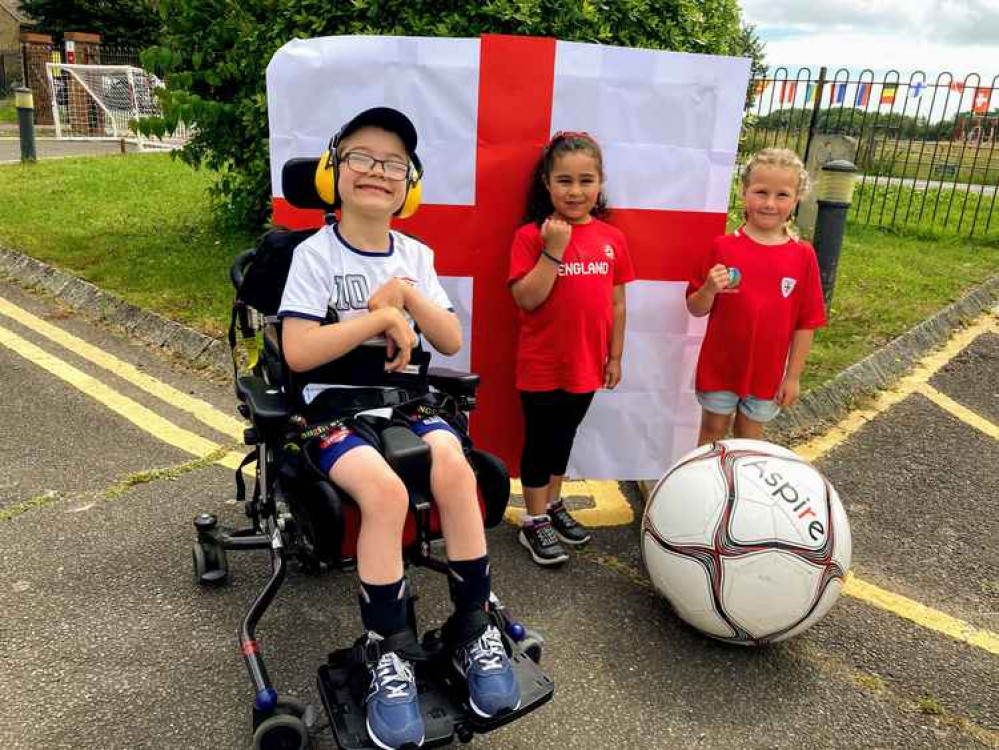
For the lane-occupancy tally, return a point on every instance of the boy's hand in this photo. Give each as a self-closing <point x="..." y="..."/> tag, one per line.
<point x="556" y="234"/>
<point x="612" y="372"/>
<point x="787" y="394"/>
<point x="390" y="294"/>
<point x="399" y="339"/>
<point x="717" y="278"/>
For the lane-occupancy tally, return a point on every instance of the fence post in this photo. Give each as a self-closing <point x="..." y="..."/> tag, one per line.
<point x="816" y="106"/>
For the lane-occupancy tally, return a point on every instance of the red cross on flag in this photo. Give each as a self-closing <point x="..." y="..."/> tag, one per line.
<point x="484" y="108"/>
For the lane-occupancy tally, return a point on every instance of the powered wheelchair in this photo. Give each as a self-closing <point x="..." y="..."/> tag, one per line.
<point x="297" y="515"/>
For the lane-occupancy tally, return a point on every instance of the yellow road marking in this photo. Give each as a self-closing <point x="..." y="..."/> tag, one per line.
<point x="922" y="615"/>
<point x="134" y="412"/>
<point x="202" y="411"/>
<point x="926" y="369"/>
<point x="958" y="410"/>
<point x="610" y="507"/>
<point x="916" y="382"/>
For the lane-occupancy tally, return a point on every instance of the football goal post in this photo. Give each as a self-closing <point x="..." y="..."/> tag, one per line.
<point x="103" y="102"/>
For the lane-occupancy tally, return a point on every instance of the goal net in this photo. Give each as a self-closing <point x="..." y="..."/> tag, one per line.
<point x="103" y="102"/>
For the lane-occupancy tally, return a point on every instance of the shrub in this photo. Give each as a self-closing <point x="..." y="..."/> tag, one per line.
<point x="213" y="55"/>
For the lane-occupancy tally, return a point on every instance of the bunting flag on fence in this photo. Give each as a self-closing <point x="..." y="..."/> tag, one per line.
<point x="888" y="92"/>
<point x="837" y="93"/>
<point x="809" y="93"/>
<point x="917" y="89"/>
<point x="863" y="95"/>
<point x="787" y="91"/>
<point x="760" y="86"/>
<point x="957" y="87"/>
<point x="982" y="99"/>
<point x="484" y="108"/>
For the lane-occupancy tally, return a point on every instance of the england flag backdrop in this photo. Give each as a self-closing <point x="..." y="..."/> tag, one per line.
<point x="484" y="108"/>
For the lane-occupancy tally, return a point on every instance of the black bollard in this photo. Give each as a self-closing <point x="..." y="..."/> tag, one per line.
<point x="835" y="195"/>
<point x="26" y="122"/>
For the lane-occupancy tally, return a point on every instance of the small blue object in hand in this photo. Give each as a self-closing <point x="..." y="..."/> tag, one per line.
<point x="734" y="277"/>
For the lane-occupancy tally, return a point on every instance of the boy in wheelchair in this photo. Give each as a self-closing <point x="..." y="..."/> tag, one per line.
<point x="377" y="284"/>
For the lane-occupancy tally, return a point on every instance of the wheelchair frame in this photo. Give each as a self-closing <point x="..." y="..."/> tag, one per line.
<point x="285" y="724"/>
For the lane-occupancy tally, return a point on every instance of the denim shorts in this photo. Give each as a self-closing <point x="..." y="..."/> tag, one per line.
<point x="725" y="402"/>
<point x="342" y="439"/>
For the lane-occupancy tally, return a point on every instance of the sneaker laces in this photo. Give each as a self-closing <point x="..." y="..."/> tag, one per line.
<point x="564" y="517"/>
<point x="393" y="675"/>
<point x="487" y="653"/>
<point x="545" y="533"/>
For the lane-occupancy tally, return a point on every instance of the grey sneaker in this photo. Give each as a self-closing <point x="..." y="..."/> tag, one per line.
<point x="540" y="540"/>
<point x="569" y="530"/>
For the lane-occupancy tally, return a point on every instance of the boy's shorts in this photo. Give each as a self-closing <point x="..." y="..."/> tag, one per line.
<point x="343" y="439"/>
<point x="726" y="402"/>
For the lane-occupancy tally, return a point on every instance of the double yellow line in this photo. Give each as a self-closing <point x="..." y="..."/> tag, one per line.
<point x="610" y="506"/>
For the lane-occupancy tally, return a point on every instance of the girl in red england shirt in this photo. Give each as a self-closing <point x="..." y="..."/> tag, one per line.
<point x="568" y="269"/>
<point x="762" y="290"/>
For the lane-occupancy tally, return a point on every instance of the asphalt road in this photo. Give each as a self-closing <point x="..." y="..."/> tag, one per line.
<point x="105" y="642"/>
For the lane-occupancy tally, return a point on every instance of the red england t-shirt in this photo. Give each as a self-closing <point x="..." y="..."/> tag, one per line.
<point x="564" y="342"/>
<point x="750" y="329"/>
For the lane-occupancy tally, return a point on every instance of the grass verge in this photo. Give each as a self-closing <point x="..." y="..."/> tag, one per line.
<point x="141" y="227"/>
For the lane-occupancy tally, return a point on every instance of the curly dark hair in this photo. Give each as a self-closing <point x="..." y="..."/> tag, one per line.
<point x="539" y="201"/>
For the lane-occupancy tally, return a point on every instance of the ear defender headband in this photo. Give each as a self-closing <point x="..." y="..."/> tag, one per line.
<point x="328" y="173"/>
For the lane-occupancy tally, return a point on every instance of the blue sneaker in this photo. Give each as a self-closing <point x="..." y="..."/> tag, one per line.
<point x="492" y="686"/>
<point x="393" y="711"/>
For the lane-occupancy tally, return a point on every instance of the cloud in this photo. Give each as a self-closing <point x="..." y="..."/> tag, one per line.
<point x="960" y="36"/>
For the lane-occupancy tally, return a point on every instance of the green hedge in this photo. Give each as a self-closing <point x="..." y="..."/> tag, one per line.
<point x="213" y="55"/>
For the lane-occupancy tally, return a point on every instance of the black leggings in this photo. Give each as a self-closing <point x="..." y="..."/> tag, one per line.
<point x="551" y="419"/>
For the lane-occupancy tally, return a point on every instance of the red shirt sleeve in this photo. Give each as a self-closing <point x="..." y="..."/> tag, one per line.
<point x="524" y="254"/>
<point x="624" y="270"/>
<point x="813" y="306"/>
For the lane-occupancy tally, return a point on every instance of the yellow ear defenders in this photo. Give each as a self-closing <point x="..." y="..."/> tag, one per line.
<point x="328" y="171"/>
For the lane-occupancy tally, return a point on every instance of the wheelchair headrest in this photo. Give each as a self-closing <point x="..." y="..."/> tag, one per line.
<point x="298" y="182"/>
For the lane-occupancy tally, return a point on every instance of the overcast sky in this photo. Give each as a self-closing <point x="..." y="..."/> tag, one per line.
<point x="959" y="36"/>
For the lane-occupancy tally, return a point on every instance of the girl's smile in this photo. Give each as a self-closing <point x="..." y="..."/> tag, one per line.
<point x="574" y="185"/>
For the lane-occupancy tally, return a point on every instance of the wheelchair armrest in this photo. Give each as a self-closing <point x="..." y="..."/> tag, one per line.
<point x="453" y="382"/>
<point x="409" y="457"/>
<point x="269" y="410"/>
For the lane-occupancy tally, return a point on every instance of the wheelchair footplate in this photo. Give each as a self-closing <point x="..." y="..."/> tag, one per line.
<point x="343" y="683"/>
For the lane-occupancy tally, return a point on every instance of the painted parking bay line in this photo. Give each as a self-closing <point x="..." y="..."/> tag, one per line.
<point x="146" y="419"/>
<point x="916" y="382"/>
<point x="610" y="506"/>
<point x="203" y="412"/>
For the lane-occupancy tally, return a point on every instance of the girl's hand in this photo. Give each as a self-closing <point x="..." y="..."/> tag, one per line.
<point x="556" y="234"/>
<point x="787" y="394"/>
<point x="717" y="278"/>
<point x="612" y="372"/>
<point x="390" y="294"/>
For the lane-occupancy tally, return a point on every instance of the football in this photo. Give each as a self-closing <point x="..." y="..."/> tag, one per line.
<point x="747" y="541"/>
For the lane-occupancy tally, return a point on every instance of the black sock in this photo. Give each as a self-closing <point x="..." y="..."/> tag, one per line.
<point x="383" y="607"/>
<point x="469" y="583"/>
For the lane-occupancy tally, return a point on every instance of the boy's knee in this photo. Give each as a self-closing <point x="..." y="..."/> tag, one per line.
<point x="385" y="498"/>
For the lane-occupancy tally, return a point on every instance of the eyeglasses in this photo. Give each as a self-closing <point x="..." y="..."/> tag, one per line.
<point x="363" y="164"/>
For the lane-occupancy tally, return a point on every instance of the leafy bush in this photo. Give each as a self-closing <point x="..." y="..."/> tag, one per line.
<point x="213" y="55"/>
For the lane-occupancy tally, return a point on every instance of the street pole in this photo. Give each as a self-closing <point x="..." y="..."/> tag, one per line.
<point x="835" y="194"/>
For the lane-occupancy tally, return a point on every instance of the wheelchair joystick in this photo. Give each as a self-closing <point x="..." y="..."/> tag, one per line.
<point x="514" y="629"/>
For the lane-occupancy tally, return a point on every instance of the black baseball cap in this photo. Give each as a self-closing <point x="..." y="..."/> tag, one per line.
<point x="385" y="118"/>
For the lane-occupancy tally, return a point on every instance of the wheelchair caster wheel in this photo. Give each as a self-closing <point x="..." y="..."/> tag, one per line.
<point x="281" y="732"/>
<point x="210" y="567"/>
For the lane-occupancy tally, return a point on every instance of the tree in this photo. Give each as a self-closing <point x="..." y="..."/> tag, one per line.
<point x="134" y="23"/>
<point x="213" y="54"/>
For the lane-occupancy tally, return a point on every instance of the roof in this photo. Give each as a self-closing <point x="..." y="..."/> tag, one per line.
<point x="14" y="8"/>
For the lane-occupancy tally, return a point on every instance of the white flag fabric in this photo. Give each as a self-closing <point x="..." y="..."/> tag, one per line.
<point x="668" y="124"/>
